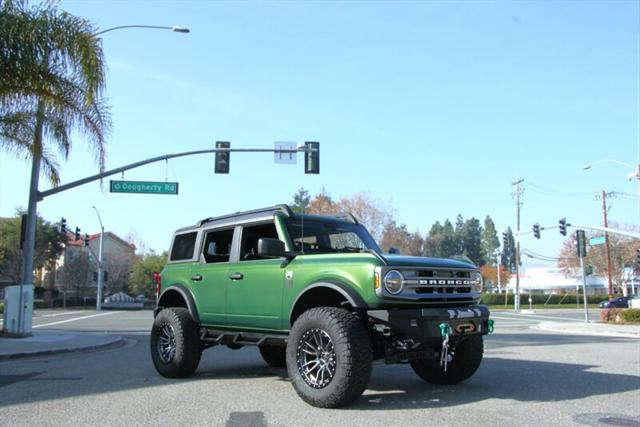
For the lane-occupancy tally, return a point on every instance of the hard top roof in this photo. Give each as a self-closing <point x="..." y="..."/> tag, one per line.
<point x="255" y="214"/>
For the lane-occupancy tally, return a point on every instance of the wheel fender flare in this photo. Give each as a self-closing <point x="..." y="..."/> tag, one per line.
<point x="346" y="291"/>
<point x="186" y="295"/>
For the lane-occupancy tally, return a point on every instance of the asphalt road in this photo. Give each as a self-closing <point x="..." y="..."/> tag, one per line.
<point x="528" y="377"/>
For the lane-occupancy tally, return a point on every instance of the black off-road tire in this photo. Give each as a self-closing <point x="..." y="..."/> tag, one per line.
<point x="188" y="347"/>
<point x="466" y="360"/>
<point x="274" y="355"/>
<point x="352" y="356"/>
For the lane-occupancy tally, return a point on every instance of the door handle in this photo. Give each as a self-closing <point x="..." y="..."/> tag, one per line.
<point x="196" y="278"/>
<point x="236" y="276"/>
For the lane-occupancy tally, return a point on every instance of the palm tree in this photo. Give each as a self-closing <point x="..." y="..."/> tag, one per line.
<point x="53" y="75"/>
<point x="52" y="82"/>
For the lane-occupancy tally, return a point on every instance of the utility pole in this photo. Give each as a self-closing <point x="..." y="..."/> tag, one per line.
<point x="517" y="194"/>
<point x="606" y="242"/>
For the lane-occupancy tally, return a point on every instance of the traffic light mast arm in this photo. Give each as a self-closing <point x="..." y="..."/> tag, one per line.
<point x="43" y="194"/>
<point x="607" y="230"/>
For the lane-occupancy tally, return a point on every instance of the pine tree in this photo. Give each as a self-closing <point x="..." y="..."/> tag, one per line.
<point x="490" y="240"/>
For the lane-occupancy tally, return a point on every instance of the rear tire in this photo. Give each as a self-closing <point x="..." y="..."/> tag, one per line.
<point x="275" y="356"/>
<point x="466" y="360"/>
<point x="329" y="357"/>
<point x="175" y="343"/>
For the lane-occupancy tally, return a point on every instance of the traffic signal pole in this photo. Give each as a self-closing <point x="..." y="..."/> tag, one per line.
<point x="18" y="309"/>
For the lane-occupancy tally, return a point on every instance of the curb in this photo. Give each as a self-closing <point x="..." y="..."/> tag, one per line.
<point x="546" y="326"/>
<point x="116" y="341"/>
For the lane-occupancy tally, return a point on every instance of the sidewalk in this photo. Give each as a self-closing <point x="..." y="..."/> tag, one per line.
<point x="592" y="328"/>
<point x="50" y="342"/>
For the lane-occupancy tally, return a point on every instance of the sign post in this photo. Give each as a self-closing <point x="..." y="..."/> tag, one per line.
<point x="582" y="252"/>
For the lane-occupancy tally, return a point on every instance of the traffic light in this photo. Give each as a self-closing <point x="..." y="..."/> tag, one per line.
<point x="86" y="240"/>
<point x="106" y="276"/>
<point x="222" y="158"/>
<point x="536" y="230"/>
<point x="312" y="158"/>
<point x="77" y="233"/>
<point x="581" y="243"/>
<point x="505" y="239"/>
<point x="63" y="225"/>
<point x="638" y="258"/>
<point x="563" y="226"/>
<point x="95" y="276"/>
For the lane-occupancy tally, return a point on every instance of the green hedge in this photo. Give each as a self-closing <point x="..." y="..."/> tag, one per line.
<point x="630" y="315"/>
<point x="537" y="298"/>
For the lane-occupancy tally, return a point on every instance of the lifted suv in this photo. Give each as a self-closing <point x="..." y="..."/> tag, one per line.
<point x="316" y="295"/>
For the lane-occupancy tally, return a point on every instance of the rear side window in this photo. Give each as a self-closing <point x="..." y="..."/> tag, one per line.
<point x="183" y="246"/>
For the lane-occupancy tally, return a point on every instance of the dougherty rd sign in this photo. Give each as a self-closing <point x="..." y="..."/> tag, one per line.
<point x="144" y="187"/>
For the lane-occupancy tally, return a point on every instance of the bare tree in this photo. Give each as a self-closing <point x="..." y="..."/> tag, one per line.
<point x="622" y="259"/>
<point x="75" y="272"/>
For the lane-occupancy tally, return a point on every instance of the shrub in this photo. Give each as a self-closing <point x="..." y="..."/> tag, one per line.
<point x="631" y="315"/>
<point x="610" y="314"/>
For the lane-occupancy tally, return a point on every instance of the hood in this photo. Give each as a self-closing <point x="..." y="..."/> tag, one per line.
<point x="419" y="261"/>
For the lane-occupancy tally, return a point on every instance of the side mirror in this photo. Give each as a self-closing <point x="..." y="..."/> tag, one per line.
<point x="270" y="248"/>
<point x="394" y="251"/>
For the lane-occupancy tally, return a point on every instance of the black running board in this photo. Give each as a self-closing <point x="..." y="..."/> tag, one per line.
<point x="211" y="337"/>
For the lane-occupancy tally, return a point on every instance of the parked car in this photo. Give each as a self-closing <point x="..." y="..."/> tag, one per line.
<point x="622" y="302"/>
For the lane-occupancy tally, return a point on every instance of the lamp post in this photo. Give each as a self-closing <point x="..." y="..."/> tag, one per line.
<point x="100" y="269"/>
<point x="635" y="174"/>
<point x="175" y="28"/>
<point x="19" y="299"/>
<point x="630" y="176"/>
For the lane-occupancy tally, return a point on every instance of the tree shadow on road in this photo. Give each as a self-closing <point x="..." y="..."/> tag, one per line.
<point x="497" y="378"/>
<point x="390" y="387"/>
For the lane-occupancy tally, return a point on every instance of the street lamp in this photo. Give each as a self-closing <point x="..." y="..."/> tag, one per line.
<point x="100" y="269"/>
<point x="630" y="176"/>
<point x="175" y="28"/>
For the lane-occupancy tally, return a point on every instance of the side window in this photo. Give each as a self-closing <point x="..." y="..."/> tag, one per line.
<point x="183" y="246"/>
<point x="217" y="246"/>
<point x="250" y="236"/>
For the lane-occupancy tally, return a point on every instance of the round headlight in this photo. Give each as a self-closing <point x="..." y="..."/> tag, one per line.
<point x="393" y="282"/>
<point x="478" y="281"/>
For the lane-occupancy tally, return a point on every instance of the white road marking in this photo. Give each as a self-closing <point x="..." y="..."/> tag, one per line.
<point x="64" y="314"/>
<point x="514" y="316"/>
<point x="74" y="319"/>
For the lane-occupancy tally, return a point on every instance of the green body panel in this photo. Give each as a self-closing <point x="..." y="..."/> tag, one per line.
<point x="210" y="293"/>
<point x="256" y="300"/>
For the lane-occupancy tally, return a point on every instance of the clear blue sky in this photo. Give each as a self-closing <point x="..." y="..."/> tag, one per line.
<point x="436" y="106"/>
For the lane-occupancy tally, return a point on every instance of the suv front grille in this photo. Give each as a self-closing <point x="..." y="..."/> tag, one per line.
<point x="437" y="286"/>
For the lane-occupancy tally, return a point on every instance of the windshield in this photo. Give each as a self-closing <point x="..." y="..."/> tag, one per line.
<point x="329" y="236"/>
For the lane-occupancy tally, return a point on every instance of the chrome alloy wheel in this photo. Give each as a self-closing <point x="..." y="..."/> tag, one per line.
<point x="166" y="343"/>
<point x="316" y="358"/>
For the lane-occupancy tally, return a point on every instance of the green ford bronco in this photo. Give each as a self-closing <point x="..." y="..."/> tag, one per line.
<point x="317" y="295"/>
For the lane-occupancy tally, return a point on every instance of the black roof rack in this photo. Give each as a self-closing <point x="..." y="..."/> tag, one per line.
<point x="285" y="209"/>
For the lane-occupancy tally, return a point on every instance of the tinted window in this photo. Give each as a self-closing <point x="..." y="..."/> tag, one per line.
<point x="328" y="236"/>
<point x="183" y="246"/>
<point x="217" y="246"/>
<point x="250" y="236"/>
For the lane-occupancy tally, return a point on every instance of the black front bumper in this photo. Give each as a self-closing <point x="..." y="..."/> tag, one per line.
<point x="424" y="323"/>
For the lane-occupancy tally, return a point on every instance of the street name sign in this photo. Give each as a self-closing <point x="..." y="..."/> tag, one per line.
<point x="594" y="241"/>
<point x="143" y="187"/>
